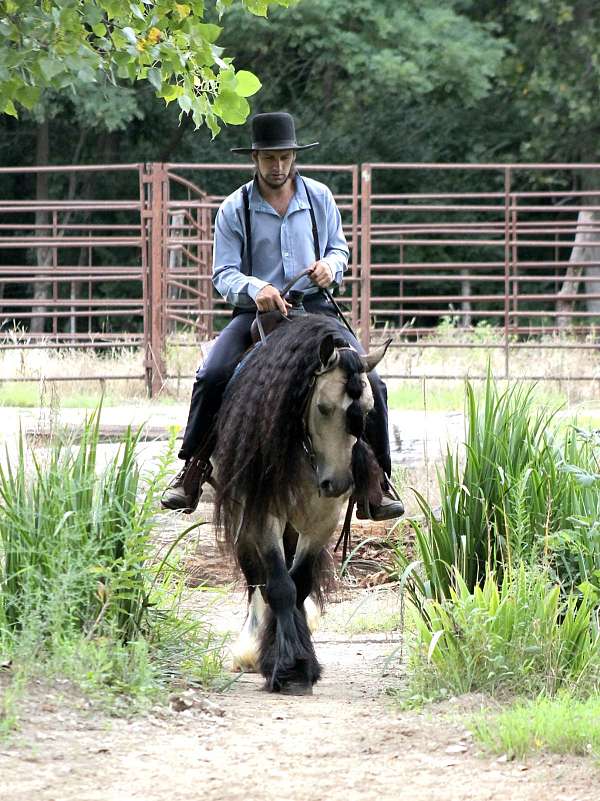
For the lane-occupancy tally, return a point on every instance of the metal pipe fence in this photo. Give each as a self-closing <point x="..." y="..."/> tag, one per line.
<point x="121" y="256"/>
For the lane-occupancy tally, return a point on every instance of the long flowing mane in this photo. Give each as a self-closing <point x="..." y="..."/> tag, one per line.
<point x="260" y="427"/>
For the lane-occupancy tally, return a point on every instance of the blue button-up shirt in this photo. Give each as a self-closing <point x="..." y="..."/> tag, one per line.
<point x="281" y="246"/>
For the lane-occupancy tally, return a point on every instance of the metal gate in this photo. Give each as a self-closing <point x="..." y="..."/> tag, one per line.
<point x="121" y="255"/>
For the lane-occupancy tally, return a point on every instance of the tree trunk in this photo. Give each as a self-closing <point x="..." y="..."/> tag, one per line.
<point x="584" y="260"/>
<point x="175" y="261"/>
<point x="592" y="252"/>
<point x="43" y="255"/>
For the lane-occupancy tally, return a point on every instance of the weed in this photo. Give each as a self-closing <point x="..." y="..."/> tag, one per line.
<point x="517" y="635"/>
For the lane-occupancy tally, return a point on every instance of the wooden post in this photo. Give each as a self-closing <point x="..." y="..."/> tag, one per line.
<point x="158" y="199"/>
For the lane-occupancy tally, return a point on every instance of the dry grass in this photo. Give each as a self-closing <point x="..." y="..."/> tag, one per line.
<point x="558" y="362"/>
<point x="550" y="358"/>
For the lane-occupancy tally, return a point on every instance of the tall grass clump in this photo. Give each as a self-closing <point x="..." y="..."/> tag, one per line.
<point x="516" y="635"/>
<point x="521" y="489"/>
<point x="80" y="587"/>
<point x="506" y="578"/>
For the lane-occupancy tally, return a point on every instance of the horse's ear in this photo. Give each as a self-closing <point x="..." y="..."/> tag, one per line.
<point x="372" y="359"/>
<point x="326" y="350"/>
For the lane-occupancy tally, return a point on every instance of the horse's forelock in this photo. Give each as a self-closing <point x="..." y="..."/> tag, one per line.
<point x="354" y="367"/>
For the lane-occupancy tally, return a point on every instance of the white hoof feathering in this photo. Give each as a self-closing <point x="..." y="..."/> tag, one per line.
<point x="245" y="649"/>
<point x="313" y="614"/>
<point x="245" y="654"/>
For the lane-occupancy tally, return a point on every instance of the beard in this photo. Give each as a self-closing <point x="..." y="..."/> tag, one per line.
<point x="278" y="180"/>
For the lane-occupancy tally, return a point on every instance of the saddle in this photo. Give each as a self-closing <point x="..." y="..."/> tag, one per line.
<point x="266" y="322"/>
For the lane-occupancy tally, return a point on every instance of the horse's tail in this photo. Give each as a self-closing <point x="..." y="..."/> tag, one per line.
<point x="323" y="577"/>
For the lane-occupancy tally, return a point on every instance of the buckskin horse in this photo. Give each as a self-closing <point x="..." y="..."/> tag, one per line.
<point x="289" y="454"/>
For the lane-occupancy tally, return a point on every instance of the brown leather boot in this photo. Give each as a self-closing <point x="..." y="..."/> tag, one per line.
<point x="185" y="489"/>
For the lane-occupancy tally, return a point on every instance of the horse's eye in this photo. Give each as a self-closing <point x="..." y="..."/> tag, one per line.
<point x="324" y="408"/>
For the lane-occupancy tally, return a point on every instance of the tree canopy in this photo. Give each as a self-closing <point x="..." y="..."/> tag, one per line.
<point x="421" y="80"/>
<point x="64" y="45"/>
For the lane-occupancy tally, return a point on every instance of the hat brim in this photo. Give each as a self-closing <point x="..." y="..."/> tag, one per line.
<point x="280" y="147"/>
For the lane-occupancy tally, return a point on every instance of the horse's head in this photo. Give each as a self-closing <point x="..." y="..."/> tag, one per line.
<point x="340" y="400"/>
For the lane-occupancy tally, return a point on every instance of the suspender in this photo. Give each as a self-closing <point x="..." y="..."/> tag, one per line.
<point x="313" y="221"/>
<point x="247" y="245"/>
<point x="248" y="238"/>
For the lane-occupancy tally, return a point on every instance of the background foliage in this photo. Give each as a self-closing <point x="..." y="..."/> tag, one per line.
<point x="444" y="80"/>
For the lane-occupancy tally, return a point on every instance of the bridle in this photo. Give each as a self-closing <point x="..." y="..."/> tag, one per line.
<point x="306" y="441"/>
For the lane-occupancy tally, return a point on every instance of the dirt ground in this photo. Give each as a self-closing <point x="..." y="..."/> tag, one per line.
<point x="348" y="741"/>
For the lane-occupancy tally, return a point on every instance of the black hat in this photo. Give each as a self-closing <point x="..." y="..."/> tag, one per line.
<point x="273" y="131"/>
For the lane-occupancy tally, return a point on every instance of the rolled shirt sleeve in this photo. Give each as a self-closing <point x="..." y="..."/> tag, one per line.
<point x="228" y="277"/>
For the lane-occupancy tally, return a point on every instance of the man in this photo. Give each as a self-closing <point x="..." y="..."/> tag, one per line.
<point x="266" y="232"/>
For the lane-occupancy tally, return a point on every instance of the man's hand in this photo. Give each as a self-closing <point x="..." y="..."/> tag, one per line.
<point x="269" y="299"/>
<point x="320" y="274"/>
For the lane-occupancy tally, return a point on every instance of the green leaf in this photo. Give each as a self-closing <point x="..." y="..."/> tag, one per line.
<point x="28" y="96"/>
<point x="183" y="10"/>
<point x="9" y="108"/>
<point x="258" y="7"/>
<point x="171" y="92"/>
<point x="232" y="108"/>
<point x="50" y="67"/>
<point x="247" y="83"/>
<point x="213" y="125"/>
<point x="137" y="12"/>
<point x="155" y="78"/>
<point x="209" y="32"/>
<point x="99" y="29"/>
<point x="185" y="103"/>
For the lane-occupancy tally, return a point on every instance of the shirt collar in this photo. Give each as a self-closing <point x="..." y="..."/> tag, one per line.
<point x="298" y="202"/>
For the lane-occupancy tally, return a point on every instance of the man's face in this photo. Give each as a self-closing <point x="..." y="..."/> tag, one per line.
<point x="274" y="166"/>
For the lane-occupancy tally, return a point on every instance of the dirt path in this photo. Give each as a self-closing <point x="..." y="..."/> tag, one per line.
<point x="346" y="742"/>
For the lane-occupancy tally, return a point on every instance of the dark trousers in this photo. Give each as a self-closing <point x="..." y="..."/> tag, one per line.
<point x="226" y="352"/>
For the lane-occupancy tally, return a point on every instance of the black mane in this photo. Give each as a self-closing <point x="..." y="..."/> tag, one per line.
<point x="259" y="431"/>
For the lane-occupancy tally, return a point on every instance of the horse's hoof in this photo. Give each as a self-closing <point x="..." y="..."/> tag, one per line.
<point x="295" y="688"/>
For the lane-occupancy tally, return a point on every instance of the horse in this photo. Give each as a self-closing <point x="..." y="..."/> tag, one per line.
<point x="288" y="455"/>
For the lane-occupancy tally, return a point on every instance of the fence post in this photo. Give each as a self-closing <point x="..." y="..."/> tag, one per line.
<point x="365" y="256"/>
<point x="155" y="318"/>
<point x="507" y="264"/>
<point x="355" y="240"/>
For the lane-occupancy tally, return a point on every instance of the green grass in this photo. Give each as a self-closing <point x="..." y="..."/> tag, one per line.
<point x="19" y="395"/>
<point x="561" y="725"/>
<point x="372" y="623"/>
<point x="28" y="396"/>
<point x="82" y="594"/>
<point x="449" y="395"/>
<point x="409" y="396"/>
<point x="516" y="636"/>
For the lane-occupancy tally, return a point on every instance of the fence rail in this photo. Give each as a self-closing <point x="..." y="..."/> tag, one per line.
<point x="121" y="255"/>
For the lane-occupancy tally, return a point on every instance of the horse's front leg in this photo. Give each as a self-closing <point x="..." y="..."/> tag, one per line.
<point x="287" y="657"/>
